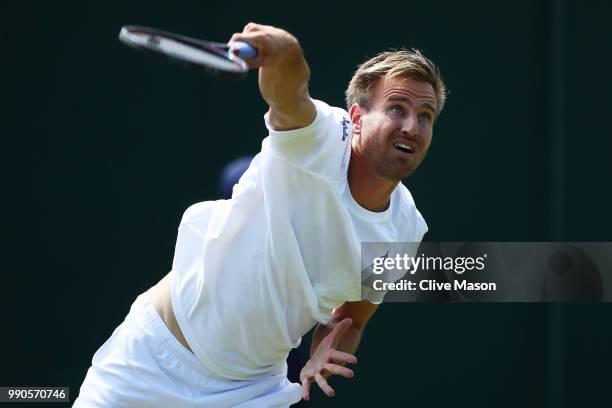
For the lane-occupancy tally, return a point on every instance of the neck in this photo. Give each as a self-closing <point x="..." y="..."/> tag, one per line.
<point x="371" y="191"/>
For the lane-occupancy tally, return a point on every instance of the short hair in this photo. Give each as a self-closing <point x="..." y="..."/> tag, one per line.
<point x="394" y="63"/>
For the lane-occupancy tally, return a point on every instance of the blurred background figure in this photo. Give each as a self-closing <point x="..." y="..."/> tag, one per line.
<point x="230" y="175"/>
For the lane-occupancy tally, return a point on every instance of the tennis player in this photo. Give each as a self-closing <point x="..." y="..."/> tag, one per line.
<point x="252" y="274"/>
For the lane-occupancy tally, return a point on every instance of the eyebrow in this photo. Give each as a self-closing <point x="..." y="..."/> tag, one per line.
<point x="426" y="105"/>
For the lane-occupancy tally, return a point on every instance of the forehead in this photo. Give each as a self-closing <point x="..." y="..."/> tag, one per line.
<point x="417" y="90"/>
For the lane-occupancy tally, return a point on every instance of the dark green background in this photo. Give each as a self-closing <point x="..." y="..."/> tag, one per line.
<point x="110" y="147"/>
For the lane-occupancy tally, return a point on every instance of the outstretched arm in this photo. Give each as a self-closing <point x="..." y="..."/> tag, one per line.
<point x="283" y="75"/>
<point x="333" y="346"/>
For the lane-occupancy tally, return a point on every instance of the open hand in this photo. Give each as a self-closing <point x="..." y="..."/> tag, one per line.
<point x="326" y="360"/>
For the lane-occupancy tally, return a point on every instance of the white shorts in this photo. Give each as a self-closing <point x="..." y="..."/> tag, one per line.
<point x="143" y="365"/>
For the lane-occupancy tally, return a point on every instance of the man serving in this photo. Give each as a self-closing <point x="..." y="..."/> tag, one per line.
<point x="253" y="274"/>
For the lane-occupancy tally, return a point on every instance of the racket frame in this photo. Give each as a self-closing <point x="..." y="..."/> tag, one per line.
<point x="221" y="50"/>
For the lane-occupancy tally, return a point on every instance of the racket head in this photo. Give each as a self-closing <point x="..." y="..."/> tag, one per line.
<point x="203" y="56"/>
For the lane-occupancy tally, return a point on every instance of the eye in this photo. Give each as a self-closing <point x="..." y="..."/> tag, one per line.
<point x="396" y="110"/>
<point x="425" y="117"/>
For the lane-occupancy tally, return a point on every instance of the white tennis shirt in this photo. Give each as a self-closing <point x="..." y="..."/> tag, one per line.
<point x="254" y="273"/>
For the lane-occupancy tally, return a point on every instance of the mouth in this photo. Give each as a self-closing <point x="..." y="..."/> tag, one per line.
<point x="403" y="147"/>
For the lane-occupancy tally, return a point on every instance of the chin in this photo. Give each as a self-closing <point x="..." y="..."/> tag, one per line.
<point x="393" y="173"/>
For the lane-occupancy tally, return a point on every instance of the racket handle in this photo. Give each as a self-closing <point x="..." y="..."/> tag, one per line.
<point x="245" y="51"/>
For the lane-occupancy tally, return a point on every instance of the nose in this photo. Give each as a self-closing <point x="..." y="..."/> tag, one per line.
<point x="410" y="125"/>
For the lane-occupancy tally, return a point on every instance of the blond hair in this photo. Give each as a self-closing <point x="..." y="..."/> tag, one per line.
<point x="395" y="63"/>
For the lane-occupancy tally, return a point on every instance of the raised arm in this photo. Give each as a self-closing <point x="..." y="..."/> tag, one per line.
<point x="283" y="75"/>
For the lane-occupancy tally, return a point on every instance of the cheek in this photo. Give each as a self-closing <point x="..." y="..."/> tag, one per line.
<point x="426" y="142"/>
<point x="426" y="136"/>
<point x="376" y="131"/>
<point x="368" y="133"/>
<point x="374" y="122"/>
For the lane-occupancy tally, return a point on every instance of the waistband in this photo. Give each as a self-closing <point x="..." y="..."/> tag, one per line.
<point x="156" y="326"/>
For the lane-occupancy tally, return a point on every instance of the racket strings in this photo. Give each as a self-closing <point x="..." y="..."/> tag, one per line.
<point x="187" y="52"/>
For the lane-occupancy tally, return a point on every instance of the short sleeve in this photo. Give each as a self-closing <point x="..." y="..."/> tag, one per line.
<point x="373" y="296"/>
<point x="321" y="148"/>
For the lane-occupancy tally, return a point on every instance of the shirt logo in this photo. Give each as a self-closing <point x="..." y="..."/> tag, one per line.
<point x="345" y="124"/>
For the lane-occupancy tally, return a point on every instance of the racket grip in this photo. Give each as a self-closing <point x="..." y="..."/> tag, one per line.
<point x="245" y="51"/>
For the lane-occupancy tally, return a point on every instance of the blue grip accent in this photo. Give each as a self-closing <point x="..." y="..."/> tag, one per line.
<point x="245" y="51"/>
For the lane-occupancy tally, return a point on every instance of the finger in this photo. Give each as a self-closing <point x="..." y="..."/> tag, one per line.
<point x="339" y="370"/>
<point x="341" y="327"/>
<point x="343" y="357"/>
<point x="306" y="390"/>
<point x="250" y="27"/>
<point x="255" y="62"/>
<point x="329" y="391"/>
<point x="254" y="40"/>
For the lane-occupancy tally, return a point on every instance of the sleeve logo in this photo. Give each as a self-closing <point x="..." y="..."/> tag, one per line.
<point x="345" y="124"/>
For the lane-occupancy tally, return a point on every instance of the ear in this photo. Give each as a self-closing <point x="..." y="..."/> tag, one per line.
<point x="356" y="113"/>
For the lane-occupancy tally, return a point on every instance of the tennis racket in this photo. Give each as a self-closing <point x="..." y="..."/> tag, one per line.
<point x="212" y="58"/>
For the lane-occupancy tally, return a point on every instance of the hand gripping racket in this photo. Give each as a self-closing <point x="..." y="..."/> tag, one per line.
<point x="212" y="58"/>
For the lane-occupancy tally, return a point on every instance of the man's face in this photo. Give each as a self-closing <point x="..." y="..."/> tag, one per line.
<point x="393" y="136"/>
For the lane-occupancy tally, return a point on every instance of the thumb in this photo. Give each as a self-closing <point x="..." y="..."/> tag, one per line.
<point x="235" y="37"/>
<point x="341" y="328"/>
